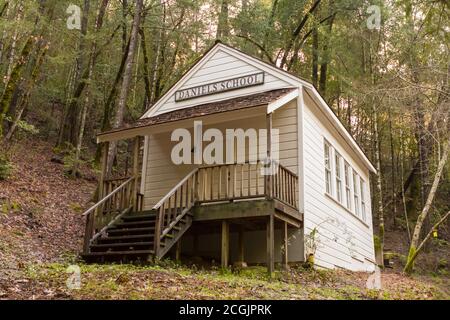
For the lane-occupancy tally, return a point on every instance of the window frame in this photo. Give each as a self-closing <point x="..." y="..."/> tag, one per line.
<point x="362" y="184"/>
<point x="329" y="168"/>
<point x="356" y="194"/>
<point x="348" y="185"/>
<point x="338" y="175"/>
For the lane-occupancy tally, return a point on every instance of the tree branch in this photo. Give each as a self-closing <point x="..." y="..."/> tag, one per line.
<point x="256" y="44"/>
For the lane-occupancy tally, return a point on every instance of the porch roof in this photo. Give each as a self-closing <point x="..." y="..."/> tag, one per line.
<point x="243" y="102"/>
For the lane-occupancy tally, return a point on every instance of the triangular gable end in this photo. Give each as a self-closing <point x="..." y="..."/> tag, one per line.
<point x="222" y="63"/>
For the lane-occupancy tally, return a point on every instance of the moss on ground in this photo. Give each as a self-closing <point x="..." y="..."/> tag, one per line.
<point x="171" y="281"/>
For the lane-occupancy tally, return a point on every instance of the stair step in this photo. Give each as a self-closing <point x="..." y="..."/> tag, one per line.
<point x="125" y="245"/>
<point x="127" y="238"/>
<point x="117" y="255"/>
<point x="139" y="217"/>
<point x="111" y="253"/>
<point x="131" y="231"/>
<point x="139" y="224"/>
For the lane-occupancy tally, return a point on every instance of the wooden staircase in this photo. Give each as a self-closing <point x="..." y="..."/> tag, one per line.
<point x="118" y="230"/>
<point x="132" y="238"/>
<point x="135" y="235"/>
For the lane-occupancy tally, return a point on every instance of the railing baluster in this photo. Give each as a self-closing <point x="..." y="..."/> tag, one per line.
<point x="257" y="178"/>
<point x="211" y="191"/>
<point x="249" y="179"/>
<point x="219" y="192"/>
<point x="205" y="185"/>
<point x="234" y="181"/>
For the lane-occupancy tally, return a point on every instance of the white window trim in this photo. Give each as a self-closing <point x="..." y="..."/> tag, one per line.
<point x="330" y="169"/>
<point x="348" y="178"/>
<point x="362" y="192"/>
<point x="336" y="177"/>
<point x="356" y="194"/>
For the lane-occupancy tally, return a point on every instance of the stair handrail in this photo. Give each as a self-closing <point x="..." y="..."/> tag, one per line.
<point x="106" y="198"/>
<point x="160" y="208"/>
<point x="174" y="189"/>
<point x="90" y="218"/>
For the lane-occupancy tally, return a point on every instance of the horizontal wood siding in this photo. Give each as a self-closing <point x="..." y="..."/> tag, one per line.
<point x="222" y="66"/>
<point x="344" y="240"/>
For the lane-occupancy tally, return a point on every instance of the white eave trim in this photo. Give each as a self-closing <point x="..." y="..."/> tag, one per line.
<point x="271" y="107"/>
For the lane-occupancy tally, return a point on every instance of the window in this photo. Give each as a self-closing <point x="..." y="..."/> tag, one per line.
<point x="363" y="200"/>
<point x="327" y="149"/>
<point x="337" y="163"/>
<point x="348" y="195"/>
<point x="356" y="192"/>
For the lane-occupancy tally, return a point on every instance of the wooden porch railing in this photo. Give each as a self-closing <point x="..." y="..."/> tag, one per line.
<point x="202" y="185"/>
<point x="247" y="180"/>
<point x="119" y="197"/>
<point x="285" y="186"/>
<point x="174" y="206"/>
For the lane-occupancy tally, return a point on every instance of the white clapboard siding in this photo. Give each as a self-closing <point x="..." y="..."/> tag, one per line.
<point x="345" y="241"/>
<point x="222" y="66"/>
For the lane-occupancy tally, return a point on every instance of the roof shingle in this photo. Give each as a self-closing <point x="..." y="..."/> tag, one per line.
<point x="233" y="104"/>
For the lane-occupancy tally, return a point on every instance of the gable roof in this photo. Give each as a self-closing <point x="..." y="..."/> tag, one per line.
<point x="219" y="47"/>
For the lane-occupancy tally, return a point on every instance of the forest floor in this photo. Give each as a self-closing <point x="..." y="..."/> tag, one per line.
<point x="41" y="231"/>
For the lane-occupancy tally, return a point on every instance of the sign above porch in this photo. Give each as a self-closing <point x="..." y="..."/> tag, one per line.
<point x="220" y="86"/>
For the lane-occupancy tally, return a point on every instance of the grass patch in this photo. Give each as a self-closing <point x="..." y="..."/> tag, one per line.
<point x="135" y="282"/>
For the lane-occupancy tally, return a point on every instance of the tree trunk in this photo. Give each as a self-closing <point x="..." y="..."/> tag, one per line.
<point x="413" y="249"/>
<point x="70" y="125"/>
<point x="296" y="33"/>
<point x="28" y="88"/>
<point x="118" y="119"/>
<point x="315" y="57"/>
<point x="84" y="110"/>
<point x="222" y="24"/>
<point x="379" y="183"/>
<point x="326" y="55"/>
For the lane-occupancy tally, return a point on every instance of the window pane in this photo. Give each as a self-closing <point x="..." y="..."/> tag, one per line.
<point x="327" y="157"/>
<point x="356" y="193"/>
<point x="337" y="161"/>
<point x="347" y="186"/>
<point x="363" y="201"/>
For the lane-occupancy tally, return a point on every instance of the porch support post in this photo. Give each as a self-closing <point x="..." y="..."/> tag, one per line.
<point x="136" y="147"/>
<point x="270" y="245"/>
<point x="225" y="244"/>
<point x="104" y="170"/>
<point x="268" y="179"/>
<point x="103" y="174"/>
<point x="285" y="245"/>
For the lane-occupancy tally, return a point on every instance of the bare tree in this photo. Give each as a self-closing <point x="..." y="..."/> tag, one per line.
<point x="415" y="247"/>
<point x="118" y="119"/>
